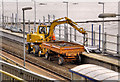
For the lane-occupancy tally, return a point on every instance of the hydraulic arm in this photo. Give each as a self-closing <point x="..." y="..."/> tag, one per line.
<point x="63" y="21"/>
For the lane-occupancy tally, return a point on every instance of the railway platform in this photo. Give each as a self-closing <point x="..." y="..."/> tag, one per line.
<point x="87" y="58"/>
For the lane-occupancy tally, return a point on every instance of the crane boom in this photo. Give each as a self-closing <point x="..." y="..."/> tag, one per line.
<point x="63" y="21"/>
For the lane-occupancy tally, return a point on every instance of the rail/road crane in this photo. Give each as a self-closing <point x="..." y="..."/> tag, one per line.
<point x="44" y="34"/>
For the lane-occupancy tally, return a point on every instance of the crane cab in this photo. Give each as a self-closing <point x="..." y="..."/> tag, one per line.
<point x="39" y="36"/>
<point x="42" y="29"/>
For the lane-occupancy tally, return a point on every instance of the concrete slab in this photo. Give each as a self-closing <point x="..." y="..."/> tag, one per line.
<point x="103" y="58"/>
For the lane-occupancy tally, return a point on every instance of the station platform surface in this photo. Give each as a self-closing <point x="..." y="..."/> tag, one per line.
<point x="14" y="33"/>
<point x="103" y="58"/>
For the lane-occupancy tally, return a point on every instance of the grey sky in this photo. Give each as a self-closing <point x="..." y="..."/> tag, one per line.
<point x="61" y="0"/>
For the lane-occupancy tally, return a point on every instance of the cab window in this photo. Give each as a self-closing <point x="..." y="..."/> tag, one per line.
<point x="42" y="30"/>
<point x="48" y="29"/>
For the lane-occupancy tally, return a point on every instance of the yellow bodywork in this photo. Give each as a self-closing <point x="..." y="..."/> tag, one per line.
<point x="63" y="21"/>
<point x="35" y="38"/>
<point x="38" y="37"/>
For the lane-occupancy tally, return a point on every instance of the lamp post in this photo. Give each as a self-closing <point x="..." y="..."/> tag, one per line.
<point x="106" y="15"/>
<point x="34" y="15"/>
<point x="66" y="7"/>
<point x="42" y="4"/>
<point x="26" y="8"/>
<point x="17" y="6"/>
<point x="2" y="14"/>
<point x="66" y="29"/>
<point x="17" y="13"/>
<point x="103" y="43"/>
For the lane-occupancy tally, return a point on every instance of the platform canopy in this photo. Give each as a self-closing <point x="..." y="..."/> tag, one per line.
<point x="95" y="72"/>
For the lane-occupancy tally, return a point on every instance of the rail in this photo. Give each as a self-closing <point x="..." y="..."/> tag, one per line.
<point x="41" y="66"/>
<point x="9" y="60"/>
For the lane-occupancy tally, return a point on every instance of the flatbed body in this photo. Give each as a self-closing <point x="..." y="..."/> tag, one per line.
<point x="63" y="47"/>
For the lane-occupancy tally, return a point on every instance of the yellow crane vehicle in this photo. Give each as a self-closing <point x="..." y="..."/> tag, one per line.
<point x="44" y="34"/>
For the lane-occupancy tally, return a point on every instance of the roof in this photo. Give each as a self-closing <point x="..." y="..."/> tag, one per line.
<point x="95" y="72"/>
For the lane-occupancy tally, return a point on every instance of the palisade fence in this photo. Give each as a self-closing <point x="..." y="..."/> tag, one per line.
<point x="111" y="42"/>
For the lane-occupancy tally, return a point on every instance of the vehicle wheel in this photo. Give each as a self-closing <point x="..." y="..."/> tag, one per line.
<point x="78" y="60"/>
<point x="60" y="60"/>
<point x="47" y="55"/>
<point x="40" y="55"/>
<point x="28" y="48"/>
<point x="36" y="50"/>
<point x="50" y="58"/>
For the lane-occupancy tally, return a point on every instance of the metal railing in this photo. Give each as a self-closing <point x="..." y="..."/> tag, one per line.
<point x="10" y="77"/>
<point x="94" y="38"/>
<point x="12" y="72"/>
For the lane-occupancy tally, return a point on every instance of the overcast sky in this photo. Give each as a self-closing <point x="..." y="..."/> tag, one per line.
<point x="61" y="0"/>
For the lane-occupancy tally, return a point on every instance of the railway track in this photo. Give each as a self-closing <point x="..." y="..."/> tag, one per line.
<point x="11" y="47"/>
<point x="40" y="66"/>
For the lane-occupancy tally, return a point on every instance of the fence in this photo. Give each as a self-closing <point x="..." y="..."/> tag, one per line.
<point x="111" y="42"/>
<point x="10" y="77"/>
<point x="14" y="73"/>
